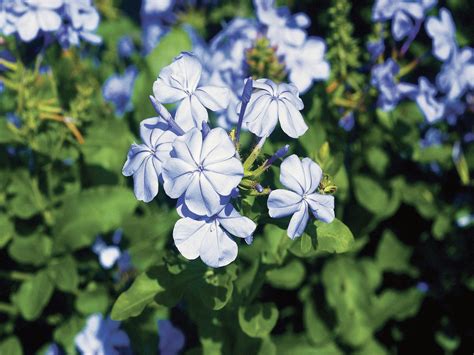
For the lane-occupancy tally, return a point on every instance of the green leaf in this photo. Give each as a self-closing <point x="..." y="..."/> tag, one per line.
<point x="370" y="194"/>
<point x="317" y="331"/>
<point x="394" y="256"/>
<point x="64" y="273"/>
<point x="93" y="299"/>
<point x="34" y="295"/>
<point x="287" y="277"/>
<point x="11" y="346"/>
<point x="93" y="211"/>
<point x="34" y="250"/>
<point x="334" y="237"/>
<point x="258" y="320"/>
<point x="132" y="302"/>
<point x="398" y="305"/>
<point x="28" y="200"/>
<point x="7" y="230"/>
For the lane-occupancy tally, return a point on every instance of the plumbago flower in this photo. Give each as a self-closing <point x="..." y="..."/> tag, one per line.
<point x="443" y="33"/>
<point x="179" y="81"/>
<point x="101" y="337"/>
<point x="210" y="238"/>
<point x="203" y="170"/>
<point x="301" y="178"/>
<point x="202" y="167"/>
<point x="67" y="20"/>
<point x="403" y="13"/>
<point x="383" y="78"/>
<point x="271" y="103"/>
<point x="457" y="74"/>
<point x="171" y="338"/>
<point x="118" y="90"/>
<point x="144" y="161"/>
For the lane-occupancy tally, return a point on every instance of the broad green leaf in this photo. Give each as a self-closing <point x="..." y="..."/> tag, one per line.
<point x="34" y="295"/>
<point x="398" y="305"/>
<point x="11" y="346"/>
<point x="64" y="273"/>
<point x="92" y="300"/>
<point x="377" y="159"/>
<point x="7" y="230"/>
<point x="394" y="256"/>
<point x="287" y="277"/>
<point x="34" y="250"/>
<point x="334" y="237"/>
<point x="317" y="331"/>
<point x="258" y="320"/>
<point x="132" y="302"/>
<point x="93" y="211"/>
<point x="28" y="199"/>
<point x="370" y="194"/>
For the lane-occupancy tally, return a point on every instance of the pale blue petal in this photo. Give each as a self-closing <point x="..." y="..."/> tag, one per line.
<point x="292" y="175"/>
<point x="234" y="223"/>
<point x="48" y="20"/>
<point x="217" y="248"/>
<point x="322" y="206"/>
<point x="291" y="120"/>
<point x="177" y="175"/>
<point x="312" y="174"/>
<point x="298" y="221"/>
<point x="402" y="25"/>
<point x="108" y="256"/>
<point x="282" y="203"/>
<point x="188" y="235"/>
<point x="201" y="197"/>
<point x="217" y="146"/>
<point x="27" y="26"/>
<point x="213" y="97"/>
<point x="145" y="180"/>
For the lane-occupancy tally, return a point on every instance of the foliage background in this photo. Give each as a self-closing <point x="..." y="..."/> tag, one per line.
<point x="406" y="282"/>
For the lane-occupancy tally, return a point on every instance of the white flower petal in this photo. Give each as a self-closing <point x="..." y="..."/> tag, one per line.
<point x="298" y="222"/>
<point x="27" y="26"/>
<point x="217" y="248"/>
<point x="291" y="120"/>
<point x="225" y="175"/>
<point x="322" y="206"/>
<point x="48" y="20"/>
<point x="217" y="146"/>
<point x="201" y="198"/>
<point x="146" y="181"/>
<point x="135" y="157"/>
<point x="312" y="173"/>
<point x="177" y="175"/>
<point x="188" y="235"/>
<point x="165" y="93"/>
<point x="236" y="224"/>
<point x="266" y="121"/>
<point x="188" y="147"/>
<point x="282" y="203"/>
<point x="292" y="175"/>
<point x="213" y="97"/>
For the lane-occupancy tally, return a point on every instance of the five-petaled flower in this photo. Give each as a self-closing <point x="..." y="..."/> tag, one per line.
<point x="443" y="33"/>
<point x="178" y="82"/>
<point x="101" y="337"/>
<point x="144" y="161"/>
<point x="271" y="103"/>
<point x="210" y="238"/>
<point x="203" y="169"/>
<point x="301" y="178"/>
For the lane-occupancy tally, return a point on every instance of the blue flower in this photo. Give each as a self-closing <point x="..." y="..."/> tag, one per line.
<point x="202" y="169"/>
<point x="210" y="238"/>
<point x="271" y="103"/>
<point x="383" y="78"/>
<point x="347" y="122"/>
<point x="307" y="64"/>
<point x="376" y="49"/>
<point x="156" y="17"/>
<point x="118" y="90"/>
<point x="34" y="16"/>
<point x="432" y="109"/>
<point x="125" y="46"/>
<point x="80" y="21"/>
<point x="54" y="349"/>
<point x="14" y="119"/>
<point x="101" y="337"/>
<point x="402" y="13"/>
<point x="457" y="74"/>
<point x="171" y="338"/>
<point x="301" y="178"/>
<point x="433" y="137"/>
<point x="144" y="161"/>
<point x="178" y="82"/>
<point x="443" y="33"/>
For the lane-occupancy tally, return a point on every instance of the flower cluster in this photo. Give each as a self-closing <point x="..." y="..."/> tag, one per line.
<point x="445" y="98"/>
<point x="69" y="21"/>
<point x="230" y="55"/>
<point x="202" y="168"/>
